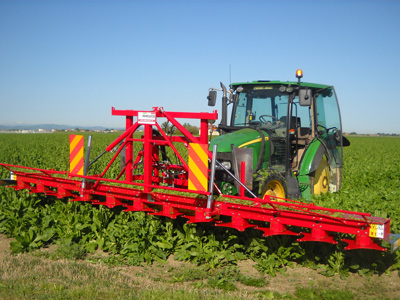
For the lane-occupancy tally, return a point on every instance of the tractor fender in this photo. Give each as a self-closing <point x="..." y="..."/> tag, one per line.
<point x="312" y="157"/>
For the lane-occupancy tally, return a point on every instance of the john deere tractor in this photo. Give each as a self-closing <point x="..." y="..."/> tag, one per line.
<point x="288" y="134"/>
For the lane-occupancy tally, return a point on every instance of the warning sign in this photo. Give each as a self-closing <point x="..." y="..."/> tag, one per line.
<point x="377" y="230"/>
<point x="198" y="167"/>
<point x="76" y="154"/>
<point x="148" y="118"/>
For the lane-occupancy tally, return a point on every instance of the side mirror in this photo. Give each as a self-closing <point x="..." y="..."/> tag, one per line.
<point x="345" y="142"/>
<point x="305" y="97"/>
<point x="212" y="98"/>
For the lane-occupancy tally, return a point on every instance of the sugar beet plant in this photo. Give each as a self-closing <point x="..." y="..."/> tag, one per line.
<point x="36" y="221"/>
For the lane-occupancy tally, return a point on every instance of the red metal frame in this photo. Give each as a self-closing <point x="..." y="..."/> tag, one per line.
<point x="143" y="192"/>
<point x="151" y="143"/>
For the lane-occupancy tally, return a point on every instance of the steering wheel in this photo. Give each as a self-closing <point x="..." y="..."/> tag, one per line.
<point x="334" y="129"/>
<point x="264" y="121"/>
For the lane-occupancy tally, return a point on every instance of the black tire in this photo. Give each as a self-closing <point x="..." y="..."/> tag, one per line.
<point x="339" y="178"/>
<point x="274" y="185"/>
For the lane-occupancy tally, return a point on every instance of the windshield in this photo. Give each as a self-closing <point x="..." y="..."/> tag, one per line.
<point x="258" y="105"/>
<point x="328" y="111"/>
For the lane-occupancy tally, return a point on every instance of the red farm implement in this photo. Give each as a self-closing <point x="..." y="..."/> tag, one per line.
<point x="186" y="188"/>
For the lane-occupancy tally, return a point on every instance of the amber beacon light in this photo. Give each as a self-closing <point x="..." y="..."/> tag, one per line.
<point x="299" y="73"/>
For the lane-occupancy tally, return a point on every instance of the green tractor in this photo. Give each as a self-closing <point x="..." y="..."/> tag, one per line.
<point x="287" y="137"/>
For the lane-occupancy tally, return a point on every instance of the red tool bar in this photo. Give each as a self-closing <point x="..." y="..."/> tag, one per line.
<point x="134" y="197"/>
<point x="50" y="178"/>
<point x="160" y="114"/>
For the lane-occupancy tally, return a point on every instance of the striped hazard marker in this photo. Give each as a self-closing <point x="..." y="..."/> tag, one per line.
<point x="76" y="154"/>
<point x="198" y="167"/>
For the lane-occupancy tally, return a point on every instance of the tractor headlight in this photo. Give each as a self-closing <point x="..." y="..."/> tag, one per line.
<point x="225" y="164"/>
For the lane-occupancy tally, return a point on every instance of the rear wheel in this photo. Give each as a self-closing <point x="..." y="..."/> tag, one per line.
<point x="275" y="186"/>
<point x="320" y="180"/>
<point x="339" y="179"/>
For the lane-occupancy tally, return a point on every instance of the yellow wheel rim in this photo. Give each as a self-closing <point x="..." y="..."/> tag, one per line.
<point x="321" y="178"/>
<point x="274" y="188"/>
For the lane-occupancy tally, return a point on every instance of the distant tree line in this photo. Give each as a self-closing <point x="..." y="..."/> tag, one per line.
<point x="379" y="133"/>
<point x="169" y="128"/>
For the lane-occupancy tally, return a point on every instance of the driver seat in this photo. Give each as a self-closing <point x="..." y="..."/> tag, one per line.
<point x="303" y="133"/>
<point x="295" y="121"/>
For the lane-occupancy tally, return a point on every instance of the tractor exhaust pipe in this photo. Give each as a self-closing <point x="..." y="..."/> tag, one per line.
<point x="224" y="117"/>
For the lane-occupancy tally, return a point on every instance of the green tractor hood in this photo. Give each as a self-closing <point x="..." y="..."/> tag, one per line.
<point x="243" y="138"/>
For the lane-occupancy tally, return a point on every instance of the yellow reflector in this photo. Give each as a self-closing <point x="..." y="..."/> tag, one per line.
<point x="76" y="154"/>
<point x="198" y="167"/>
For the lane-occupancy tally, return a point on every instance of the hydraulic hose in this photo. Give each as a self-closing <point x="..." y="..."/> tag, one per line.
<point x="262" y="150"/>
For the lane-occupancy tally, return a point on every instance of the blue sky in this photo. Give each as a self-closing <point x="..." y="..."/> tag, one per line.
<point x="69" y="62"/>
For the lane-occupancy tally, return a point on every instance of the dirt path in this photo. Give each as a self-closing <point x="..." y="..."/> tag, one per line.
<point x="4" y="245"/>
<point x="386" y="286"/>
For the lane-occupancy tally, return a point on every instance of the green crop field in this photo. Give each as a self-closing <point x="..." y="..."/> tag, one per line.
<point x="371" y="183"/>
<point x="371" y="179"/>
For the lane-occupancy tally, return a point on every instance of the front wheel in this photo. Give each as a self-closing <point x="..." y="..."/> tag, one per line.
<point x="321" y="178"/>
<point x="275" y="186"/>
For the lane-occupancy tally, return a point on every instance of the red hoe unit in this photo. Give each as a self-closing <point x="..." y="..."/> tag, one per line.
<point x="187" y="188"/>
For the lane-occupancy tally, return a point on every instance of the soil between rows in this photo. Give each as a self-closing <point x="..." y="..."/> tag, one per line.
<point x="385" y="286"/>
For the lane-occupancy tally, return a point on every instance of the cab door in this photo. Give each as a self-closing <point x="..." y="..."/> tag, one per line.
<point x="329" y="131"/>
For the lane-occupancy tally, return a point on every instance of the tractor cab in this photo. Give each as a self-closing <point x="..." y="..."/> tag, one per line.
<point x="289" y="135"/>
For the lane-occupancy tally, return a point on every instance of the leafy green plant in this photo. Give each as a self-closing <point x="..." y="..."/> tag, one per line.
<point x="30" y="240"/>
<point x="200" y="246"/>
<point x="336" y="265"/>
<point x="396" y="265"/>
<point x="370" y="184"/>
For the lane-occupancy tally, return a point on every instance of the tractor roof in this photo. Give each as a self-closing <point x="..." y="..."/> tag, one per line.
<point x="277" y="82"/>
